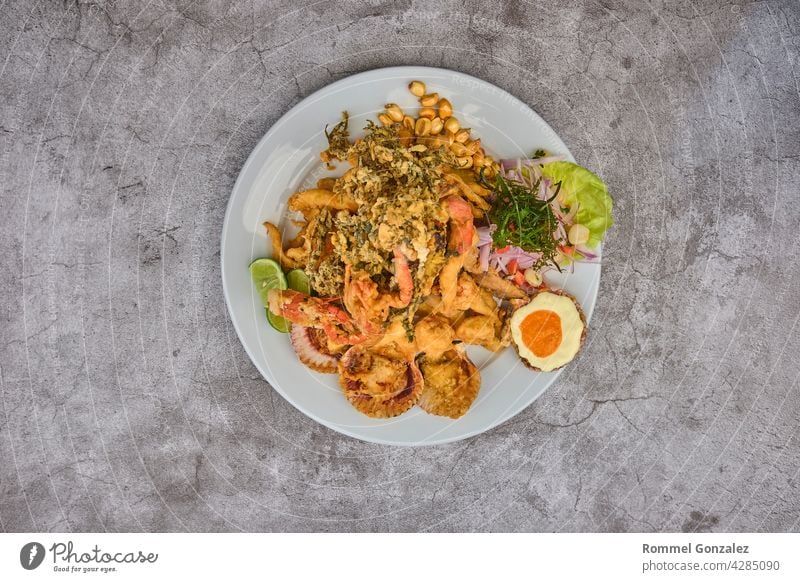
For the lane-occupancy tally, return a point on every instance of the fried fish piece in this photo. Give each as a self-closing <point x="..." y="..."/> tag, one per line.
<point x="476" y="330"/>
<point x="460" y="186"/>
<point x="310" y="201"/>
<point x="488" y="331"/>
<point x="275" y="238"/>
<point x="434" y="336"/>
<point x="499" y="287"/>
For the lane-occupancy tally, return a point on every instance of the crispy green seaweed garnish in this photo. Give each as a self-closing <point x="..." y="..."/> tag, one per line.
<point x="524" y="220"/>
<point x="395" y="179"/>
<point x="325" y="270"/>
<point x="338" y="144"/>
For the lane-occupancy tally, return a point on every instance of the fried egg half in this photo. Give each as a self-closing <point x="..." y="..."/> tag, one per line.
<point x="548" y="332"/>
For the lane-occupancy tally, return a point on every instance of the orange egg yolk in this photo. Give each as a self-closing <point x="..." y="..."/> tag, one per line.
<point x="541" y="332"/>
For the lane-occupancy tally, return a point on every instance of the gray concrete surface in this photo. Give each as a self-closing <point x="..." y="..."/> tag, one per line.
<point x="128" y="403"/>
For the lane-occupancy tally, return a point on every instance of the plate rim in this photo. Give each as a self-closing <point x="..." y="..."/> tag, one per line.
<point x="332" y="87"/>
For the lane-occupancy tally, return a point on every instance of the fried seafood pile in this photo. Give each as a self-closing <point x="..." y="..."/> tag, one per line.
<point x="390" y="249"/>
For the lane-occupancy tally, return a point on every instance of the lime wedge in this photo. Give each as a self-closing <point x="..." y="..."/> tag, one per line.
<point x="267" y="274"/>
<point x="298" y="281"/>
<point x="278" y="322"/>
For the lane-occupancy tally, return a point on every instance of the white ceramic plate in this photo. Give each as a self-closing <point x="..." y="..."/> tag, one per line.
<point x="287" y="159"/>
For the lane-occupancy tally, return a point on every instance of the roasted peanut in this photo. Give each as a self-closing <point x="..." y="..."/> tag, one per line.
<point x="473" y="146"/>
<point x="423" y="127"/>
<point x="452" y="125"/>
<point x="436" y="126"/>
<point x="417" y="88"/>
<point x="408" y="122"/>
<point x="393" y="110"/>
<point x="428" y="112"/>
<point x="439" y="141"/>
<point x="445" y="108"/>
<point x="459" y="149"/>
<point x="385" y="119"/>
<point x="462" y="136"/>
<point x="429" y="100"/>
<point x="464" y="162"/>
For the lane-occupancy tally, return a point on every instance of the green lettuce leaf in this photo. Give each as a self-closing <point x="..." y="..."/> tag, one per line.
<point x="580" y="185"/>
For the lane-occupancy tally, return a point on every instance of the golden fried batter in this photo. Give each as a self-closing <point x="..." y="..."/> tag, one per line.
<point x="434" y="336"/>
<point x="452" y="383"/>
<point x="379" y="382"/>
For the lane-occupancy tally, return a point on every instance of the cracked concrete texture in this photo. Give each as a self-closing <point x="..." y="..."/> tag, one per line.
<point x="128" y="403"/>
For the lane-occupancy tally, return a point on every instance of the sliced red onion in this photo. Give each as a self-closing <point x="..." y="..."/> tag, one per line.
<point x="498" y="263"/>
<point x="589" y="256"/>
<point x="532" y="173"/>
<point x="561" y="232"/>
<point x="525" y="260"/>
<point x="485" y="234"/>
<point x="483" y="257"/>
